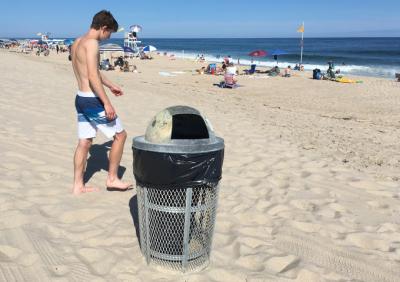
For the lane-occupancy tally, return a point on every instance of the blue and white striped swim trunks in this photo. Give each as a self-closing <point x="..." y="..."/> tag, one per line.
<point x="92" y="117"/>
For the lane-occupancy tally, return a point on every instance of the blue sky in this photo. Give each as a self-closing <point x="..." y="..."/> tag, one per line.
<point x="218" y="18"/>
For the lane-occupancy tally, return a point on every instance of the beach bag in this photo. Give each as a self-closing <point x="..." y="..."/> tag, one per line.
<point x="316" y="74"/>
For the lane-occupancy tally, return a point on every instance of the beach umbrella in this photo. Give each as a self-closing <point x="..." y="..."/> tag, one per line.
<point x="68" y="42"/>
<point x="258" y="53"/>
<point x="278" y="52"/>
<point x="149" y="48"/>
<point x="110" y="48"/>
<point x="135" y="28"/>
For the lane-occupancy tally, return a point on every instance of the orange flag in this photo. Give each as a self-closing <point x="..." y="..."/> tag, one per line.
<point x="301" y="28"/>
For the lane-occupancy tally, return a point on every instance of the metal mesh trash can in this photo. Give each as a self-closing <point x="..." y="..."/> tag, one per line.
<point x="177" y="166"/>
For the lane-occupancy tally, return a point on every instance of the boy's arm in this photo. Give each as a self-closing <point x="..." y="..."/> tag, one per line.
<point x="114" y="88"/>
<point x="105" y="81"/>
<point x="92" y="50"/>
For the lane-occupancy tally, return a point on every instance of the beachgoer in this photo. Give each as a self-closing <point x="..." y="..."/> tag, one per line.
<point x="95" y="111"/>
<point x="202" y="59"/>
<point x="223" y="66"/>
<point x="288" y="72"/>
<point x="231" y="69"/>
<point x="202" y="70"/>
<point x="57" y="48"/>
<point x="125" y="67"/>
<point x="296" y="67"/>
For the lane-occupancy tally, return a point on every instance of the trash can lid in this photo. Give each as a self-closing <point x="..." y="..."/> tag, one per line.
<point x="179" y="129"/>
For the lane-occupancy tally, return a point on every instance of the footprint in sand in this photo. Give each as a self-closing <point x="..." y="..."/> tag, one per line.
<point x="24" y="158"/>
<point x="8" y="253"/>
<point x="324" y="253"/>
<point x="250" y="262"/>
<point x="81" y="215"/>
<point x="282" y="264"/>
<point x="368" y="241"/>
<point x="100" y="261"/>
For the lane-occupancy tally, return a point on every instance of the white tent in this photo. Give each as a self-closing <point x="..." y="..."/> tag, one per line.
<point x="110" y="47"/>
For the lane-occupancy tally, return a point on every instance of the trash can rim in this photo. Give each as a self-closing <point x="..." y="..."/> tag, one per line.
<point x="180" y="145"/>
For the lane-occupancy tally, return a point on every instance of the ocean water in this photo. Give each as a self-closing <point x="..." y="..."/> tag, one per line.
<point x="359" y="56"/>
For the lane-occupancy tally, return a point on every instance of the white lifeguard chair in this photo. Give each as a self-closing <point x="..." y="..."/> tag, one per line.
<point x="131" y="40"/>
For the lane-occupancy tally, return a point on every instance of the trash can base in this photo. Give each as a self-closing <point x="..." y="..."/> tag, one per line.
<point x="176" y="225"/>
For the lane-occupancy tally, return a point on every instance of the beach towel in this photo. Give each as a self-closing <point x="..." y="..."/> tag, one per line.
<point x="164" y="73"/>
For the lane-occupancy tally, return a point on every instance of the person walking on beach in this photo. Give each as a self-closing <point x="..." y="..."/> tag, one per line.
<point x="94" y="109"/>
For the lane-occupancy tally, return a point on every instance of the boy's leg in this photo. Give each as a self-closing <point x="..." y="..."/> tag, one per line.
<point x="80" y="158"/>
<point x="113" y="182"/>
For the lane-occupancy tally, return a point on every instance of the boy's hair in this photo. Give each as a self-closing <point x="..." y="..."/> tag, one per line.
<point x="104" y="18"/>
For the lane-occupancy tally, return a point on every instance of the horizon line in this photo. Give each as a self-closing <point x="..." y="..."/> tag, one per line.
<point x="312" y="37"/>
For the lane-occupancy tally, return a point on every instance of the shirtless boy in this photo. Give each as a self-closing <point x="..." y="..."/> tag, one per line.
<point x="94" y="109"/>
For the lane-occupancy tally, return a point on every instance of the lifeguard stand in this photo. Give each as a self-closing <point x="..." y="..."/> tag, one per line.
<point x="131" y="39"/>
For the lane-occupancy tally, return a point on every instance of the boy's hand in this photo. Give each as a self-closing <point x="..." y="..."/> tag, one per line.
<point x="110" y="112"/>
<point x="116" y="90"/>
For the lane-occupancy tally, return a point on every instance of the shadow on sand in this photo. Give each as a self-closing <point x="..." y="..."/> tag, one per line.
<point x="98" y="160"/>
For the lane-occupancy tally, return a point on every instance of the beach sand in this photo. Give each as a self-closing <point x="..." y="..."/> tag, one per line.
<point x="309" y="190"/>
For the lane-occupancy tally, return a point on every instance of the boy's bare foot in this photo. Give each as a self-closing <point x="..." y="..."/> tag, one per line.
<point x="83" y="189"/>
<point x="118" y="185"/>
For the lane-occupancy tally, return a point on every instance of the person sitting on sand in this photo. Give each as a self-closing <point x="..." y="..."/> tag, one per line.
<point x="202" y="70"/>
<point x="296" y="67"/>
<point x="125" y="67"/>
<point x="287" y="72"/>
<point x="274" y="71"/>
<point x="145" y="56"/>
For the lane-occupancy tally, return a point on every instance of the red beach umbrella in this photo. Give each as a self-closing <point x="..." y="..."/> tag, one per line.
<point x="258" y="53"/>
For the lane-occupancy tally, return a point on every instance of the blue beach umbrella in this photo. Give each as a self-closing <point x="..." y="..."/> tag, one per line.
<point x="278" y="52"/>
<point x="68" y="42"/>
<point x="149" y="48"/>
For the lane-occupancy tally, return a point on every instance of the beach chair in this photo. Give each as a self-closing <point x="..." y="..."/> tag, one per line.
<point x="252" y="69"/>
<point x="330" y="74"/>
<point x="229" y="81"/>
<point x="212" y="68"/>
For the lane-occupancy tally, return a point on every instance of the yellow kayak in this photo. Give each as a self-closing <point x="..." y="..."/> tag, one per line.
<point x="347" y="80"/>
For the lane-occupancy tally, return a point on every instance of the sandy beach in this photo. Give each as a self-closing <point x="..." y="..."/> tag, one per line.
<point x="309" y="192"/>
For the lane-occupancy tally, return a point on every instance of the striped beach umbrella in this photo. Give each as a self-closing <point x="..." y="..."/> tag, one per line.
<point x="110" y="47"/>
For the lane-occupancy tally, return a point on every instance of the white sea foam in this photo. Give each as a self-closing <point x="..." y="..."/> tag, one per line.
<point x="377" y="71"/>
